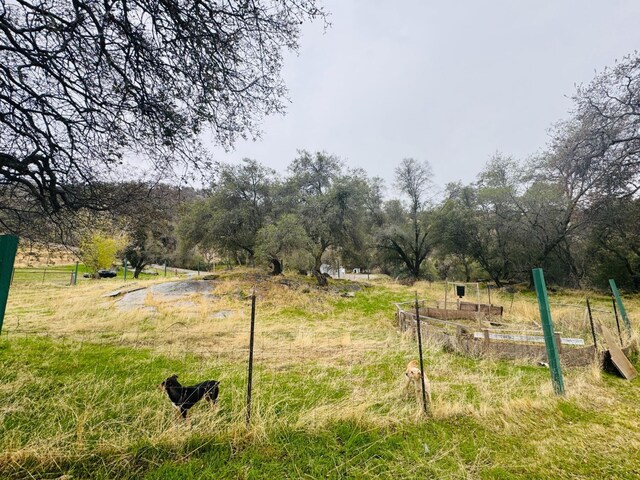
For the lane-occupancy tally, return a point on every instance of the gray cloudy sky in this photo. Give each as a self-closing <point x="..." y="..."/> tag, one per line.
<point x="451" y="82"/>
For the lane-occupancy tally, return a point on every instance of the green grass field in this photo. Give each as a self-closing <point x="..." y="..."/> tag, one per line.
<point x="61" y="274"/>
<point x="78" y="392"/>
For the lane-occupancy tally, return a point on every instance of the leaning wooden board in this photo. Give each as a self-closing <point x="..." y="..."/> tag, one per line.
<point x="618" y="357"/>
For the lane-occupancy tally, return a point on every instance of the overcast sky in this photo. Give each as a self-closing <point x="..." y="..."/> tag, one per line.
<point x="451" y="82"/>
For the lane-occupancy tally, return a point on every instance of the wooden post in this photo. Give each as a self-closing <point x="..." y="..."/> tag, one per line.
<point x="75" y="275"/>
<point x="615" y="312"/>
<point x="165" y="268"/>
<point x="558" y="340"/>
<point x="446" y="290"/>
<point x="424" y="394"/>
<point x="547" y="328"/>
<point x="251" y="335"/>
<point x="623" y="312"/>
<point x="125" y="269"/>
<point x="593" y="328"/>
<point x="487" y="338"/>
<point x="8" y="248"/>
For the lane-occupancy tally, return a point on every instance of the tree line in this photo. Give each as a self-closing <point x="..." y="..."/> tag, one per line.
<point x="86" y="86"/>
<point x="572" y="209"/>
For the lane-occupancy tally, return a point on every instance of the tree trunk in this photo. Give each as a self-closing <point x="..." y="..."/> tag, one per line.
<point x="137" y="269"/>
<point x="322" y="280"/>
<point x="276" y="266"/>
<point x="415" y="273"/>
<point x="467" y="268"/>
<point x="320" y="277"/>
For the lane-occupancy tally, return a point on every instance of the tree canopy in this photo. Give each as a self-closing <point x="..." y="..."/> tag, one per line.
<point x="406" y="237"/>
<point x="86" y="86"/>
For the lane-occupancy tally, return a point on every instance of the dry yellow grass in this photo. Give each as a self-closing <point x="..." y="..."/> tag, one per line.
<point x="34" y="254"/>
<point x="305" y="338"/>
<point x="308" y="331"/>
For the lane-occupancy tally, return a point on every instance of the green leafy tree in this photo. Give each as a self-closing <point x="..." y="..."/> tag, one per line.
<point x="330" y="203"/>
<point x="145" y="246"/>
<point x="455" y="229"/>
<point x="149" y="220"/>
<point x="613" y="247"/>
<point x="362" y="252"/>
<point x="236" y="208"/>
<point x="284" y="238"/>
<point x="99" y="250"/>
<point x="483" y="221"/>
<point x="406" y="236"/>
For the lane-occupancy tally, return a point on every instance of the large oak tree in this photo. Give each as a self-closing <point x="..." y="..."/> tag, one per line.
<point x="87" y="84"/>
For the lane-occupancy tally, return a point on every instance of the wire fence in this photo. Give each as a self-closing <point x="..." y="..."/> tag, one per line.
<point x="272" y="348"/>
<point x="56" y="275"/>
<point x="42" y="276"/>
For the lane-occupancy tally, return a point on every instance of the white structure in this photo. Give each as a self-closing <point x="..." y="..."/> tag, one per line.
<point x="330" y="270"/>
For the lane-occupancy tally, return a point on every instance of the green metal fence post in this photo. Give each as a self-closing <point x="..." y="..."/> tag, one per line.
<point x="547" y="328"/>
<point x="623" y="312"/>
<point x="615" y="313"/>
<point x="8" y="248"/>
